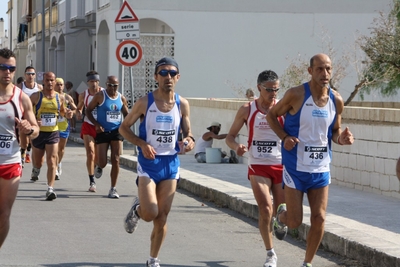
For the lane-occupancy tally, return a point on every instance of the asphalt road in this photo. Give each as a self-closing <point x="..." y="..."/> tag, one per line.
<point x="80" y="228"/>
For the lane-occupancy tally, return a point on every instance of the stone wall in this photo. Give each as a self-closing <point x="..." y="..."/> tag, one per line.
<point x="368" y="165"/>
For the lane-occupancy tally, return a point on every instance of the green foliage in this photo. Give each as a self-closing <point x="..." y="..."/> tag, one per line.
<point x="382" y="48"/>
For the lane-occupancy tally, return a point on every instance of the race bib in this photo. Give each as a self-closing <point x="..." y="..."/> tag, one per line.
<point x="163" y="139"/>
<point x="6" y="142"/>
<point x="113" y="116"/>
<point x="316" y="155"/>
<point x="48" y="119"/>
<point x="264" y="149"/>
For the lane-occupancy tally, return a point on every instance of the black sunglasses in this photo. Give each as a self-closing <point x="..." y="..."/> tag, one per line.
<point x="5" y="67"/>
<point x="112" y="84"/>
<point x="164" y="73"/>
<point x="30" y="73"/>
<point x="270" y="90"/>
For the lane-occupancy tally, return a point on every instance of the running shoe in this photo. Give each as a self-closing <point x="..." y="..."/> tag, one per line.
<point x="27" y="158"/>
<point x="50" y="195"/>
<point x="233" y="158"/>
<point x="153" y="263"/>
<point x="35" y="174"/>
<point x="131" y="220"/>
<point x="271" y="261"/>
<point x="113" y="193"/>
<point x="92" y="187"/>
<point x="306" y="265"/>
<point x="98" y="172"/>
<point x="280" y="229"/>
<point x="57" y="175"/>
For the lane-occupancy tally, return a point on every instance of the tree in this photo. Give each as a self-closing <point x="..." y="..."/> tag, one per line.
<point x="382" y="48"/>
<point x="378" y="70"/>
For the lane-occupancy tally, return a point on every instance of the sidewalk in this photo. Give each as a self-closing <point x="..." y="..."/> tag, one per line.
<point x="359" y="225"/>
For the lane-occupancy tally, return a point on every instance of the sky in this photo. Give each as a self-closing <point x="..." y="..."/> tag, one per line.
<point x="3" y="10"/>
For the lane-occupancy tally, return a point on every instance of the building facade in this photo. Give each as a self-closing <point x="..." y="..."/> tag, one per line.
<point x="220" y="45"/>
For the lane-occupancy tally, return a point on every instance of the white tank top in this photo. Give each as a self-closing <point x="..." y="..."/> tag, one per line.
<point x="87" y="98"/>
<point x="264" y="145"/>
<point x="201" y="145"/>
<point x="160" y="129"/>
<point x="9" y="145"/>
<point x="30" y="91"/>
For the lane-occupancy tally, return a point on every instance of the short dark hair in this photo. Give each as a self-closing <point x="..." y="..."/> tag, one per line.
<point x="92" y="72"/>
<point x="20" y="80"/>
<point x="68" y="82"/>
<point x="29" y="68"/>
<point x="267" y="76"/>
<point x="6" y="53"/>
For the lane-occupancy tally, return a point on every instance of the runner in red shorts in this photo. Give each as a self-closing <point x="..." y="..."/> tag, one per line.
<point x="264" y="155"/>
<point x="17" y="116"/>
<point x="88" y="130"/>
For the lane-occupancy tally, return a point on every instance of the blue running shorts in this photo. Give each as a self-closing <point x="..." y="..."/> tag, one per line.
<point x="159" y="169"/>
<point x="305" y="181"/>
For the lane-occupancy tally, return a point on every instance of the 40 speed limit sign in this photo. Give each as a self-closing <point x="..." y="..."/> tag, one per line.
<point x="129" y="53"/>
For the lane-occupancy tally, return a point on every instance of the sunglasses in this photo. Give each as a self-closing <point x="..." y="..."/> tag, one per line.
<point x="165" y="73"/>
<point x="112" y="84"/>
<point x="5" y="67"/>
<point x="270" y="90"/>
<point x="30" y="73"/>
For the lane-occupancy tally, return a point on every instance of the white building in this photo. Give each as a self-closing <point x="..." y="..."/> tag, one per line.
<point x="220" y="45"/>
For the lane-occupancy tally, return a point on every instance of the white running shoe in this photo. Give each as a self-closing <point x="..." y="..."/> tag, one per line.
<point x="153" y="263"/>
<point x="271" y="261"/>
<point x="113" y="193"/>
<point x="98" y="172"/>
<point x="35" y="174"/>
<point x="280" y="229"/>
<point x="131" y="220"/>
<point x="50" y="195"/>
<point x="92" y="187"/>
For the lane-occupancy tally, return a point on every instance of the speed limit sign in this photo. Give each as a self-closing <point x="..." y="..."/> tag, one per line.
<point x="129" y="53"/>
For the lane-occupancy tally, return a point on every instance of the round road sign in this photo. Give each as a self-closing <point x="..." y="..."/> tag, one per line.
<point x="129" y="53"/>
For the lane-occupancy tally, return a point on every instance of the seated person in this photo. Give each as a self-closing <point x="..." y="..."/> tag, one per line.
<point x="207" y="140"/>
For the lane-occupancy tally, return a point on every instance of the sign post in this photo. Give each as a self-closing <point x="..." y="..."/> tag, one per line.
<point x="128" y="52"/>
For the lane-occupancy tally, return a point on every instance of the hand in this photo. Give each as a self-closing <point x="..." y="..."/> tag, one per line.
<point x="188" y="144"/>
<point x="346" y="137"/>
<point x="148" y="151"/>
<point x="99" y="129"/>
<point x="24" y="126"/>
<point x="290" y="142"/>
<point x="79" y="115"/>
<point x="69" y="114"/>
<point x="241" y="149"/>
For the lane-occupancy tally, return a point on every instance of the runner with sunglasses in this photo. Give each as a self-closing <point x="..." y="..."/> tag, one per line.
<point x="14" y="103"/>
<point x="29" y="86"/>
<point x="161" y="113"/>
<point x="110" y="106"/>
<point x="264" y="156"/>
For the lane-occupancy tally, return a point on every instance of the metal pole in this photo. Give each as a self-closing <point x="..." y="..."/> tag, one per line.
<point x="43" y="36"/>
<point x="10" y="21"/>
